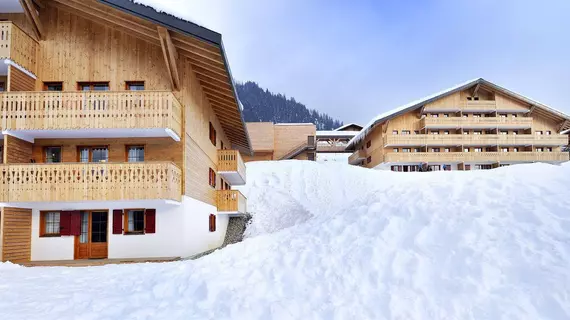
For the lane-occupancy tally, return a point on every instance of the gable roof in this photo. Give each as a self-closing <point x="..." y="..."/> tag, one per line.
<point x="228" y="102"/>
<point x="460" y="87"/>
<point x="348" y="125"/>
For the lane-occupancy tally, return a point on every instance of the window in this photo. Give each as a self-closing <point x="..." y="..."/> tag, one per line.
<point x="394" y="131"/>
<point x="435" y="115"/>
<point x="134" y="85"/>
<point x="134" y="220"/>
<point x="435" y="132"/>
<point x="416" y="132"/>
<point x="503" y="115"/>
<point x="504" y="132"/>
<point x="52" y="154"/>
<point x="53" y="86"/>
<point x="547" y="133"/>
<point x="488" y="149"/>
<point x="464" y="116"/>
<point x="514" y="115"/>
<point x="135" y="153"/>
<point x="476" y="115"/>
<point x="50" y="224"/>
<point x="446" y="150"/>
<point x="447" y="167"/>
<point x="465" y="132"/>
<point x="212" y="134"/>
<point x="405" y="131"/>
<point x="483" y="167"/>
<point x="406" y="150"/>
<point x="369" y="159"/>
<point x="212" y="178"/>
<point x="515" y="132"/>
<point x="93" y="86"/>
<point x="515" y="149"/>
<point x="93" y="154"/>
<point x="477" y="149"/>
<point x="488" y="132"/>
<point x="435" y="167"/>
<point x="465" y="149"/>
<point x="477" y="132"/>
<point x="434" y="149"/>
<point x="395" y="150"/>
<point x="539" y="149"/>
<point x="446" y="115"/>
<point x="505" y="149"/>
<point x="368" y="144"/>
<point x="549" y="149"/>
<point x="539" y="133"/>
<point x="416" y="149"/>
<point x="394" y="168"/>
<point x="469" y="98"/>
<point x="446" y="132"/>
<point x="476" y="98"/>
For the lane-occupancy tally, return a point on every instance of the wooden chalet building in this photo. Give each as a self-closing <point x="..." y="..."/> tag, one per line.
<point x="331" y="144"/>
<point x="475" y="125"/>
<point x="121" y="133"/>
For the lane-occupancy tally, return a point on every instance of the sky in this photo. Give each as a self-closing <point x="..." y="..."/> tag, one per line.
<point x="356" y="59"/>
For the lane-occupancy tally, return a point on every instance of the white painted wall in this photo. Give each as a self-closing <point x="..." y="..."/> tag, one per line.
<point x="181" y="231"/>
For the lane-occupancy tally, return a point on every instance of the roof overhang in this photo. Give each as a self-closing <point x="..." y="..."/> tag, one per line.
<point x="421" y="102"/>
<point x="238" y="137"/>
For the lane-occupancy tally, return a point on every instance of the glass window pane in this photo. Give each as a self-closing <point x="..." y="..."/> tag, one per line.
<point x="84" y="155"/>
<point x="100" y="154"/>
<point x="136" y="154"/>
<point x="98" y="227"/>
<point x="53" y="154"/>
<point x="84" y="236"/>
<point x="51" y="223"/>
<point x="135" y="220"/>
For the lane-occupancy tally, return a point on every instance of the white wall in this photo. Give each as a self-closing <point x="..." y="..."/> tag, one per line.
<point x="181" y="230"/>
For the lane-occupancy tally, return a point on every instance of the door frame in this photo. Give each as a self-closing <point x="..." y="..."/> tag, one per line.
<point x="76" y="243"/>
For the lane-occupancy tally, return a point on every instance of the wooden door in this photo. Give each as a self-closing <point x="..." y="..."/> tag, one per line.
<point x="92" y="243"/>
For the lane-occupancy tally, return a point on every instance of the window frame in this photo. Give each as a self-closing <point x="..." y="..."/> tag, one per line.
<point x="92" y="84"/>
<point x="47" y="84"/>
<point x="43" y="233"/>
<point x="368" y="144"/>
<point x="369" y="159"/>
<point x="212" y="178"/>
<point x="44" y="153"/>
<point x="212" y="134"/>
<point x="128" y="85"/>
<point x="127" y="149"/>
<point x="126" y="230"/>
<point x="90" y="160"/>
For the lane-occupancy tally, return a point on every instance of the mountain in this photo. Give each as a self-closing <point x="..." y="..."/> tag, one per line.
<point x="265" y="106"/>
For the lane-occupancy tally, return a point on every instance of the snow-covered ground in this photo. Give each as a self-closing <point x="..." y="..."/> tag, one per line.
<point x="330" y="241"/>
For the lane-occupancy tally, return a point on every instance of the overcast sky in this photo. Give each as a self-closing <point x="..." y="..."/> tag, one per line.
<point x="354" y="61"/>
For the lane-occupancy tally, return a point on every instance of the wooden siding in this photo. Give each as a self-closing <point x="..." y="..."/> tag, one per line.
<point x="288" y="137"/>
<point x="262" y="135"/>
<point x="258" y="156"/>
<point x="17" y="150"/>
<point x="16" y="234"/>
<point x="90" y="182"/>
<point x="156" y="149"/>
<point x="19" y="81"/>
<point x="506" y="103"/>
<point x="197" y="169"/>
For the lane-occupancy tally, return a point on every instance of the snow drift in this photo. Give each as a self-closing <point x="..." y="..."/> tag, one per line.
<point x="330" y="241"/>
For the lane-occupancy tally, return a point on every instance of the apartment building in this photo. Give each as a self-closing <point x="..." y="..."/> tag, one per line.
<point x="122" y="133"/>
<point x="281" y="141"/>
<point x="475" y="125"/>
<point x="331" y="144"/>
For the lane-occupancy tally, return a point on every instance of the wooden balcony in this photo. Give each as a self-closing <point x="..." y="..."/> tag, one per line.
<point x="140" y="110"/>
<point x="17" y="46"/>
<point x="356" y="157"/>
<point x="231" y="167"/>
<point x="483" y="122"/>
<point x="474" y="140"/>
<point x="453" y="157"/>
<point x="231" y="202"/>
<point x="479" y="105"/>
<point x="331" y="148"/>
<point x="89" y="182"/>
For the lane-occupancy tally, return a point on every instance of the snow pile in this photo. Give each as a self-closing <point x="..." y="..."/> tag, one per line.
<point x="330" y="241"/>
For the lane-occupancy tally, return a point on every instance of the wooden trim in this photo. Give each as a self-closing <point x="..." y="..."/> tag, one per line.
<point x="42" y="232"/>
<point x="45" y="84"/>
<point x="170" y="56"/>
<point x="126" y="222"/>
<point x="33" y="17"/>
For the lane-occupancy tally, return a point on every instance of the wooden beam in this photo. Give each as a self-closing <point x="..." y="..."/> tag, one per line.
<point x="530" y="110"/>
<point x="475" y="90"/>
<point x="33" y="17"/>
<point x="170" y="56"/>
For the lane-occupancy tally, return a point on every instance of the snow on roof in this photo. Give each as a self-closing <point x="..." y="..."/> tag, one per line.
<point x="295" y="124"/>
<point x="418" y="103"/>
<point x="347" y="125"/>
<point x="379" y="118"/>
<point x="337" y="133"/>
<point x="190" y="11"/>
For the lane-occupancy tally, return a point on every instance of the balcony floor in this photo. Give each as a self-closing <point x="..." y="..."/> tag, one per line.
<point x="90" y="205"/>
<point x="30" y="135"/>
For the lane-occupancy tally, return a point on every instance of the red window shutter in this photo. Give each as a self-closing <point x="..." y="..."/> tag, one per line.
<point x="75" y="223"/>
<point x="65" y="223"/>
<point x="117" y="221"/>
<point x="212" y="222"/>
<point x="150" y="220"/>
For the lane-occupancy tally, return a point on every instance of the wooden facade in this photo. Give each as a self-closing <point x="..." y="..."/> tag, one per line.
<point x="86" y="75"/>
<point x="281" y="141"/>
<point x="476" y="124"/>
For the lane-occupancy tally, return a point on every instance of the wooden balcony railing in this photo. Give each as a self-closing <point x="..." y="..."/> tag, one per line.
<point x="89" y="181"/>
<point x="474" y="139"/>
<point x="17" y="46"/>
<point x="473" y="106"/>
<point x="231" y="166"/>
<point x="331" y="147"/>
<point x="231" y="201"/>
<point x="475" y="156"/>
<point x="90" y="109"/>
<point x="483" y="122"/>
<point x="357" y="156"/>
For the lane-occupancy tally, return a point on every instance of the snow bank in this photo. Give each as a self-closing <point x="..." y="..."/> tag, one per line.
<point x="331" y="241"/>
